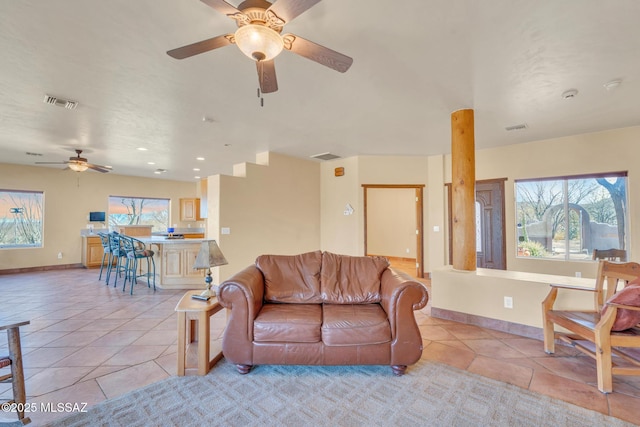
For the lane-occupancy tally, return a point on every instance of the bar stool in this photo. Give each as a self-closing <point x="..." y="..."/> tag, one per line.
<point x="14" y="360"/>
<point x="106" y="253"/>
<point x="134" y="250"/>
<point x="117" y="253"/>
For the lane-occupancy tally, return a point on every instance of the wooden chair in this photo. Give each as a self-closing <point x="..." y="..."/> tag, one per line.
<point x="589" y="326"/>
<point x="610" y="254"/>
<point x="14" y="362"/>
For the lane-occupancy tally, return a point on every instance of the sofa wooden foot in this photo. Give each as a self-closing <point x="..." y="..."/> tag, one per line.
<point x="244" y="369"/>
<point x="399" y="370"/>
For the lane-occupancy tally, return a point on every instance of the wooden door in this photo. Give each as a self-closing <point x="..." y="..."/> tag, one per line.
<point x="490" y="232"/>
<point x="490" y="227"/>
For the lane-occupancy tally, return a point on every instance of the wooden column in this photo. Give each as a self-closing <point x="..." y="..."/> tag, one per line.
<point x="463" y="190"/>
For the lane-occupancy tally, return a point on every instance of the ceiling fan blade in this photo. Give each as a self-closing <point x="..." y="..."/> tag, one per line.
<point x="98" y="168"/>
<point x="200" y="47"/>
<point x="221" y="6"/>
<point x="286" y="10"/>
<point x="51" y="163"/>
<point x="315" y="52"/>
<point x="267" y="76"/>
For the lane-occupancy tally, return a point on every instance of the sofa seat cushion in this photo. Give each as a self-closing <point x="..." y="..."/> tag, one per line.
<point x="288" y="323"/>
<point x="291" y="278"/>
<point x="351" y="279"/>
<point x="354" y="324"/>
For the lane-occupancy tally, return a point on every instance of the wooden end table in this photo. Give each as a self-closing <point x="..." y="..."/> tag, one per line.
<point x="191" y="311"/>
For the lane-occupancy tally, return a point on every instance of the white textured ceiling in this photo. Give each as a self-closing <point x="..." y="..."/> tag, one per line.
<point x="415" y="61"/>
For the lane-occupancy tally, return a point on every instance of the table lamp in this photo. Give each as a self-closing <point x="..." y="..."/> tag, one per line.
<point x="209" y="256"/>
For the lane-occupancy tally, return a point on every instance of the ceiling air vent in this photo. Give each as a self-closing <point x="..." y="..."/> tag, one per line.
<point x="516" y="127"/>
<point x="325" y="156"/>
<point x="59" y="102"/>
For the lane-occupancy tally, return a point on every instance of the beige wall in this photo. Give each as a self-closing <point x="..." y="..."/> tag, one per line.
<point x="68" y="199"/>
<point x="341" y="233"/>
<point x="610" y="151"/>
<point x="271" y="207"/>
<point x="391" y="222"/>
<point x="345" y="234"/>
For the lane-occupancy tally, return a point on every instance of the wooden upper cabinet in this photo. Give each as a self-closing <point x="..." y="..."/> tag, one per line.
<point x="190" y="209"/>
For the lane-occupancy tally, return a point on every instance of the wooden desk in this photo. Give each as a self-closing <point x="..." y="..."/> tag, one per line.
<point x="191" y="311"/>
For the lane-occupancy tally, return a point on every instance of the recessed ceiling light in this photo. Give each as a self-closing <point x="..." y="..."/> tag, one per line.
<point x="207" y="119"/>
<point x="196" y="177"/>
<point x="200" y="158"/>
<point x="157" y="172"/>
<point x="142" y="149"/>
<point x="196" y="169"/>
<point x="151" y="163"/>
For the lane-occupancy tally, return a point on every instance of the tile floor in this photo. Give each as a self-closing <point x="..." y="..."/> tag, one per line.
<point x="88" y="342"/>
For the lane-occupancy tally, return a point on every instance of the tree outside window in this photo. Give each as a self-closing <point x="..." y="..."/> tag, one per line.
<point x="21" y="219"/>
<point x="567" y="218"/>
<point x="138" y="211"/>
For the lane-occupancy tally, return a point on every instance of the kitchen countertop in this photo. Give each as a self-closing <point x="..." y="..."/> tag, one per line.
<point x="165" y="241"/>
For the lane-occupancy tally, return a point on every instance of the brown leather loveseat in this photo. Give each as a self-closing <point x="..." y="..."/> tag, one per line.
<point x="322" y="309"/>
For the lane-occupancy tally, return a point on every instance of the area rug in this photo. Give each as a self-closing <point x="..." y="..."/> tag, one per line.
<point x="429" y="394"/>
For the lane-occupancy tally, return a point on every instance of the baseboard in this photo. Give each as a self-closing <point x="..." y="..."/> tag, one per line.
<point x="486" y="322"/>
<point x="40" y="268"/>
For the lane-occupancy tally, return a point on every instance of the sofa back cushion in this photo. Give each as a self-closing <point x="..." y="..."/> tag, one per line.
<point x="351" y="279"/>
<point x="291" y="278"/>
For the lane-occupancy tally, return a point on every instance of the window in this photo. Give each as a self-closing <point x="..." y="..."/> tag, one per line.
<point x="138" y="211"/>
<point x="21" y="219"/>
<point x="567" y="218"/>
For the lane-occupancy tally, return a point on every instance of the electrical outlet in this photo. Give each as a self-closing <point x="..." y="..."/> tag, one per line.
<point x="508" y="302"/>
<point x="59" y="255"/>
<point x="578" y="274"/>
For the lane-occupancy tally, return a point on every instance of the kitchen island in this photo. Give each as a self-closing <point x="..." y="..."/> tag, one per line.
<point x="174" y="260"/>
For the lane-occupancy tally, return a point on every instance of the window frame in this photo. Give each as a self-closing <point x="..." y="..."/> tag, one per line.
<point x="112" y="224"/>
<point x="568" y="211"/>
<point x="41" y="206"/>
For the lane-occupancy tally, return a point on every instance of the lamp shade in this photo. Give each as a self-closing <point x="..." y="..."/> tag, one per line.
<point x="209" y="256"/>
<point x="78" y="167"/>
<point x="258" y="42"/>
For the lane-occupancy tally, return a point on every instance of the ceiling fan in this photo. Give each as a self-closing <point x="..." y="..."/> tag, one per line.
<point x="259" y="37"/>
<point x="78" y="164"/>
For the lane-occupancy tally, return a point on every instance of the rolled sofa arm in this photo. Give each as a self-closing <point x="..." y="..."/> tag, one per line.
<point x="401" y="295"/>
<point x="242" y="294"/>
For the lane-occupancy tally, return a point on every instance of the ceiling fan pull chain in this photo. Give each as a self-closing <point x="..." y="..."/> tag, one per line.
<point x="258" y="92"/>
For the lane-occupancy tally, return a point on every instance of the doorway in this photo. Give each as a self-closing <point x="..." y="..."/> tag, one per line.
<point x="490" y="226"/>
<point x="394" y="213"/>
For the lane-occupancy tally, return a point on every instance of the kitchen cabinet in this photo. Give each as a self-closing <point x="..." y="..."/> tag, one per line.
<point x="177" y="264"/>
<point x="190" y="209"/>
<point x="92" y="251"/>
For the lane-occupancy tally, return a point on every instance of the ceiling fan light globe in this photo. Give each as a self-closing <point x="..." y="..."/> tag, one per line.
<point x="78" y="167"/>
<point x="258" y="42"/>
